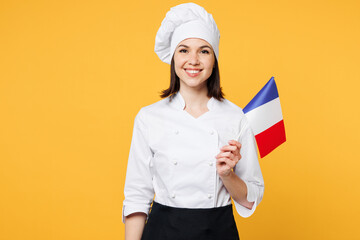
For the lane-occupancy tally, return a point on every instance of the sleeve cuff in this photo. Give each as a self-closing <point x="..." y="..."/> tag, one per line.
<point x="244" y="211"/>
<point x="251" y="197"/>
<point x="127" y="210"/>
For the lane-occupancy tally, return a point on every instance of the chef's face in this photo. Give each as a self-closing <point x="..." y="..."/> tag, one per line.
<point x="194" y="62"/>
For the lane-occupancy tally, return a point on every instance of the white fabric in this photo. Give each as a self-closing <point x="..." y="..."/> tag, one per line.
<point x="183" y="21"/>
<point x="172" y="155"/>
<point x="265" y="116"/>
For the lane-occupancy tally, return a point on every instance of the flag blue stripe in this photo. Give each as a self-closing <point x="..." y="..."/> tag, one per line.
<point x="267" y="93"/>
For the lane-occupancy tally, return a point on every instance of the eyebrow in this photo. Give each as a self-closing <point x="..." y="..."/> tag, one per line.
<point x="204" y="46"/>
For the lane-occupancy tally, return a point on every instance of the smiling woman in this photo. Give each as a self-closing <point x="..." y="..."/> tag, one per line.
<point x="184" y="148"/>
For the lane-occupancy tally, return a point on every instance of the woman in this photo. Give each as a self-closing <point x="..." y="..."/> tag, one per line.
<point x="194" y="149"/>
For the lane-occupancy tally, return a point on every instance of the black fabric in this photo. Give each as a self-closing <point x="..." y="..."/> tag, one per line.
<point x="169" y="223"/>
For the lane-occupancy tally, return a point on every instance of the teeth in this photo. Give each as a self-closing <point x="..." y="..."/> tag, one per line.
<point x="192" y="71"/>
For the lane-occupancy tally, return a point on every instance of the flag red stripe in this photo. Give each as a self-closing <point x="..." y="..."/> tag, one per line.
<point x="271" y="138"/>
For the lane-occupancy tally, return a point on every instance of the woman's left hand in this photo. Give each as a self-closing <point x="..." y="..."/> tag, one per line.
<point x="228" y="157"/>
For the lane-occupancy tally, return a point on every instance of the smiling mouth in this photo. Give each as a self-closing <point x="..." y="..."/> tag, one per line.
<point x="193" y="71"/>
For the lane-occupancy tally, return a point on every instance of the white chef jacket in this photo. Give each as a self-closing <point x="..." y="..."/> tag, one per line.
<point x="172" y="155"/>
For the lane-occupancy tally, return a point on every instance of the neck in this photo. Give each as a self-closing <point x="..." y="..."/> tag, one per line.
<point x="194" y="98"/>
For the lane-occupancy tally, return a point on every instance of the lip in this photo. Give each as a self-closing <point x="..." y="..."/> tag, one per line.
<point x="193" y="74"/>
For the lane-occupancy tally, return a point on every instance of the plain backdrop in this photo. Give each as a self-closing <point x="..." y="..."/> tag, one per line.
<point x="73" y="75"/>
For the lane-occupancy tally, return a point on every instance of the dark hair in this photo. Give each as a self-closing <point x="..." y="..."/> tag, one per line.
<point x="213" y="83"/>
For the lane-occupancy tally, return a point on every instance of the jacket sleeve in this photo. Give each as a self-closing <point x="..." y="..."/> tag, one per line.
<point x="138" y="189"/>
<point x="248" y="169"/>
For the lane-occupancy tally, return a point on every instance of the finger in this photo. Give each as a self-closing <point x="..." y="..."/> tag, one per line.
<point x="227" y="161"/>
<point x="238" y="146"/>
<point x="234" y="142"/>
<point x="229" y="155"/>
<point x="233" y="149"/>
<point x="225" y="154"/>
<point x="237" y="154"/>
<point x="228" y="148"/>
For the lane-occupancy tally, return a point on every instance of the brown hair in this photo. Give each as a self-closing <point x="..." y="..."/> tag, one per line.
<point x="213" y="83"/>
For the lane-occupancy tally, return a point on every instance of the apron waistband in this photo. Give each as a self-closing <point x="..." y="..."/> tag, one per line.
<point x="190" y="210"/>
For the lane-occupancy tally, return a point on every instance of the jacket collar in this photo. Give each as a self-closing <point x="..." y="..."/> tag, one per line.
<point x="179" y="102"/>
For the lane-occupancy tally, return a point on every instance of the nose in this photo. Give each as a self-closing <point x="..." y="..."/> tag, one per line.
<point x="193" y="59"/>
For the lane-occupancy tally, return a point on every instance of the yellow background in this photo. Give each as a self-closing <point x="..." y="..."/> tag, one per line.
<point x="73" y="75"/>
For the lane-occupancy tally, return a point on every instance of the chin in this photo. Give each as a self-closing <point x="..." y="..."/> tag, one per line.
<point x="194" y="85"/>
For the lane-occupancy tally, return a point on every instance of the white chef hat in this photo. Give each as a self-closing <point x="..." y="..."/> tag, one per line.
<point x="187" y="20"/>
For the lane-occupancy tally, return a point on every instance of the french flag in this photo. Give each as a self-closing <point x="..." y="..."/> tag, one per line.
<point x="265" y="118"/>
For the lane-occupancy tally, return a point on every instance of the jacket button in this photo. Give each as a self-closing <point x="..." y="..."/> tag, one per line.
<point x="209" y="196"/>
<point x="176" y="132"/>
<point x="212" y="132"/>
<point x="210" y="164"/>
<point x="175" y="162"/>
<point x="173" y="195"/>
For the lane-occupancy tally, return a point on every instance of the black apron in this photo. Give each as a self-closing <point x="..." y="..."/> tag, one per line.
<point x="170" y="223"/>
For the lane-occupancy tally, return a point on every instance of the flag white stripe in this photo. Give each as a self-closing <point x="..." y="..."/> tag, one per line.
<point x="265" y="116"/>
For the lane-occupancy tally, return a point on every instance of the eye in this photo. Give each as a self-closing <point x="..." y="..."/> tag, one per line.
<point x="205" y="51"/>
<point x="183" y="50"/>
